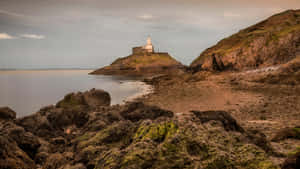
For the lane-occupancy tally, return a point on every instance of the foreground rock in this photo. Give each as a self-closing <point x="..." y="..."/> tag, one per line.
<point x="7" y="114"/>
<point x="270" y="42"/>
<point x="131" y="136"/>
<point x="92" y="98"/>
<point x="287" y="133"/>
<point x="292" y="162"/>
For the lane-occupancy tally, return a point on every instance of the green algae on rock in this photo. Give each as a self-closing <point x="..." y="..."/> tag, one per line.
<point x="156" y="132"/>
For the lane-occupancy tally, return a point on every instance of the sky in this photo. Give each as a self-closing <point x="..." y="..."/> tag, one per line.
<point x="37" y="34"/>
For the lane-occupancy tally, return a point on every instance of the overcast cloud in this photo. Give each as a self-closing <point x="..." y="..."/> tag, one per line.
<point x="92" y="33"/>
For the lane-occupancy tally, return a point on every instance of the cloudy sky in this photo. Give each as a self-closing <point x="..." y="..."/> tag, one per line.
<point x="92" y="33"/>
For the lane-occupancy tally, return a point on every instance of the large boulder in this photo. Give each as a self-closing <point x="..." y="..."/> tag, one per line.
<point x="93" y="98"/>
<point x="60" y="118"/>
<point x="96" y="98"/>
<point x="7" y="114"/>
<point x="12" y="157"/>
<point x="229" y="123"/>
<point x="53" y="122"/>
<point x="71" y="100"/>
<point x="28" y="142"/>
<point x="139" y="111"/>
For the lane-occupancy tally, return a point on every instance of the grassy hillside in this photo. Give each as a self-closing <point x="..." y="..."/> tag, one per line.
<point x="141" y="64"/>
<point x="269" y="42"/>
<point x="136" y="61"/>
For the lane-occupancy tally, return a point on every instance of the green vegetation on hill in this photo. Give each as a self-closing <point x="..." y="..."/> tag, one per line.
<point x="147" y="60"/>
<point x="136" y="64"/>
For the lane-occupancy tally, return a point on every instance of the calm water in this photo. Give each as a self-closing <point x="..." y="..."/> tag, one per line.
<point x="27" y="91"/>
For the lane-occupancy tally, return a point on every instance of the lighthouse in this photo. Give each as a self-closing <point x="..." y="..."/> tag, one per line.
<point x="149" y="46"/>
<point x="147" y="49"/>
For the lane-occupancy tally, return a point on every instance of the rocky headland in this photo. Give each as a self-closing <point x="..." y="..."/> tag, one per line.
<point x="273" y="41"/>
<point x="142" y="64"/>
<point x="236" y="107"/>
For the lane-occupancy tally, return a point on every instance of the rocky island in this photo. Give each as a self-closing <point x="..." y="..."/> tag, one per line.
<point x="236" y="107"/>
<point x="142" y="62"/>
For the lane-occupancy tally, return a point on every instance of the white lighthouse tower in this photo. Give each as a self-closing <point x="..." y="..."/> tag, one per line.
<point x="149" y="47"/>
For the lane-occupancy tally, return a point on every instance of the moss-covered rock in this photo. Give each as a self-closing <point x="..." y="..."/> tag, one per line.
<point x="118" y="133"/>
<point x="293" y="160"/>
<point x="220" y="162"/>
<point x="133" y="136"/>
<point x="249" y="156"/>
<point x="156" y="132"/>
<point x="139" y="155"/>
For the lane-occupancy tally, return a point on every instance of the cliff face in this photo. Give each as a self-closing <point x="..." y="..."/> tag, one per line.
<point x="141" y="64"/>
<point x="272" y="41"/>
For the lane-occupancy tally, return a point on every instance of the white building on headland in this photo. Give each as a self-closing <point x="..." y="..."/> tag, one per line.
<point x="148" y="48"/>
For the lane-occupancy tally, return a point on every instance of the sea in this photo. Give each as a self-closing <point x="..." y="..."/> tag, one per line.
<point x="26" y="91"/>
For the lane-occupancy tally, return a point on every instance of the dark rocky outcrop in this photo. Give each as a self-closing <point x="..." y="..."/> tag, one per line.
<point x="93" y="98"/>
<point x="225" y="118"/>
<point x="52" y="121"/>
<point x="134" y="136"/>
<point x="25" y="140"/>
<point x="292" y="162"/>
<point x="7" y="114"/>
<point x="258" y="138"/>
<point x="12" y="157"/>
<point x="292" y="133"/>
<point x="138" y="111"/>
<point x="230" y="124"/>
<point x="17" y="147"/>
<point x="270" y="42"/>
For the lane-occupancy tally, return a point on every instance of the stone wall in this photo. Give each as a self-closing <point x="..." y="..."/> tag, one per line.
<point x="138" y="50"/>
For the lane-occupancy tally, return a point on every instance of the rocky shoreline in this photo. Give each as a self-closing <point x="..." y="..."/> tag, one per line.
<point x="83" y="131"/>
<point x="192" y="119"/>
<point x="146" y="89"/>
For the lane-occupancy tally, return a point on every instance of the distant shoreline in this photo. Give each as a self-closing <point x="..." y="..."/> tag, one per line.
<point x="44" y="70"/>
<point x="47" y="69"/>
